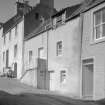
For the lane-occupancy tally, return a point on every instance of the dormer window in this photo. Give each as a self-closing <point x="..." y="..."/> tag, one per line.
<point x="59" y="20"/>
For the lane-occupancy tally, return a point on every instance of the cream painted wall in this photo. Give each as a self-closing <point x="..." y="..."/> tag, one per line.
<point x="9" y="45"/>
<point x="95" y="50"/>
<point x="34" y="44"/>
<point x="70" y="35"/>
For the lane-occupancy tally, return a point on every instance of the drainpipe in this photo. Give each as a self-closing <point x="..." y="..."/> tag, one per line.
<point x="47" y="61"/>
<point x="81" y="34"/>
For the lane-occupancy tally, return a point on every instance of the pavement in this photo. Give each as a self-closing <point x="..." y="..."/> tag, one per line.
<point x="12" y="92"/>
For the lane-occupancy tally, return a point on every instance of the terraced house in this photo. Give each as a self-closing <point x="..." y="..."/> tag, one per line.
<point x="68" y="56"/>
<point x="16" y="29"/>
<point x="93" y="48"/>
<point x="52" y="53"/>
<point x="58" y="51"/>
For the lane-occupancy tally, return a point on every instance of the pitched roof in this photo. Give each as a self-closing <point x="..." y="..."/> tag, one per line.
<point x="69" y="10"/>
<point x="86" y="5"/>
<point x="11" y="23"/>
<point x="48" y="23"/>
<point x="31" y="23"/>
<point x="42" y="28"/>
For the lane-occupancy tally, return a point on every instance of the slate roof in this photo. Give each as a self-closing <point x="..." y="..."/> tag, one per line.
<point x="31" y="23"/>
<point x="42" y="28"/>
<point x="48" y="23"/>
<point x="69" y="10"/>
<point x="86" y="5"/>
<point x="11" y="23"/>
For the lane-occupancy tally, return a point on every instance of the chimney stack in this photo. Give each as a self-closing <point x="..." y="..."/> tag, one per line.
<point x="23" y="7"/>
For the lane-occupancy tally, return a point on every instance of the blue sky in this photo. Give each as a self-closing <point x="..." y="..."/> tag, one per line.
<point x="8" y="7"/>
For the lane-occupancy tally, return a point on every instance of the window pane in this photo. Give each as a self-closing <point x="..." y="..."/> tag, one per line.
<point x="98" y="32"/>
<point x="97" y="17"/>
<point x="10" y="35"/>
<point x="15" y="50"/>
<point x="30" y="56"/>
<point x="103" y="15"/>
<point x="41" y="53"/>
<point x="103" y="33"/>
<point x="63" y="76"/>
<point x="59" y="48"/>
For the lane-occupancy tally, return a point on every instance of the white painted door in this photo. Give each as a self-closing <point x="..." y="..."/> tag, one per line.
<point x="87" y="80"/>
<point x="51" y="80"/>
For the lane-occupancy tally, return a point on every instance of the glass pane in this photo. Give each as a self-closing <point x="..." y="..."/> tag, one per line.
<point x="98" y="32"/>
<point x="103" y="33"/>
<point x="97" y="17"/>
<point x="59" y="48"/>
<point x="103" y="15"/>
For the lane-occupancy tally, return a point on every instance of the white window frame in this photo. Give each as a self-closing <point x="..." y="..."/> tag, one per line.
<point x="10" y="34"/>
<point x="15" y="50"/>
<point x="39" y="53"/>
<point x="62" y="75"/>
<point x="99" y="25"/>
<point x="58" y="50"/>
<point x="30" y="56"/>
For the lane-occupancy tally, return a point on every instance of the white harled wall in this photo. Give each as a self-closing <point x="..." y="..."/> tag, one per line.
<point x="70" y="35"/>
<point x="9" y="45"/>
<point x="33" y="45"/>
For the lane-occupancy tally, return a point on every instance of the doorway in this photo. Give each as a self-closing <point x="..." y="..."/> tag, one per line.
<point x="51" y="80"/>
<point x="87" y="78"/>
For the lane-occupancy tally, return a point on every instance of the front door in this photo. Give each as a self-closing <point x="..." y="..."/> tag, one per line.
<point x="87" y="79"/>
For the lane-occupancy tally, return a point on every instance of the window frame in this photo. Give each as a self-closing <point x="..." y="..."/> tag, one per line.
<point x="99" y="25"/>
<point x="39" y="54"/>
<point x="58" y="50"/>
<point x="15" y="50"/>
<point x="30" y="54"/>
<point x="10" y="35"/>
<point x="37" y="16"/>
<point x="62" y="75"/>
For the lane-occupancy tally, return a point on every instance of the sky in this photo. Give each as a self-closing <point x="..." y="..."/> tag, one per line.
<point x="8" y="7"/>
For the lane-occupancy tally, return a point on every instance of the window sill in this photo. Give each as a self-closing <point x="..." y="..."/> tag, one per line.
<point x="98" y="41"/>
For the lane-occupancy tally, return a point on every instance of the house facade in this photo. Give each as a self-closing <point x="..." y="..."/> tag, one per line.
<point x="64" y="43"/>
<point x="61" y="51"/>
<point x="93" y="48"/>
<point x="17" y="28"/>
<point x="12" y="49"/>
<point x="52" y="54"/>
